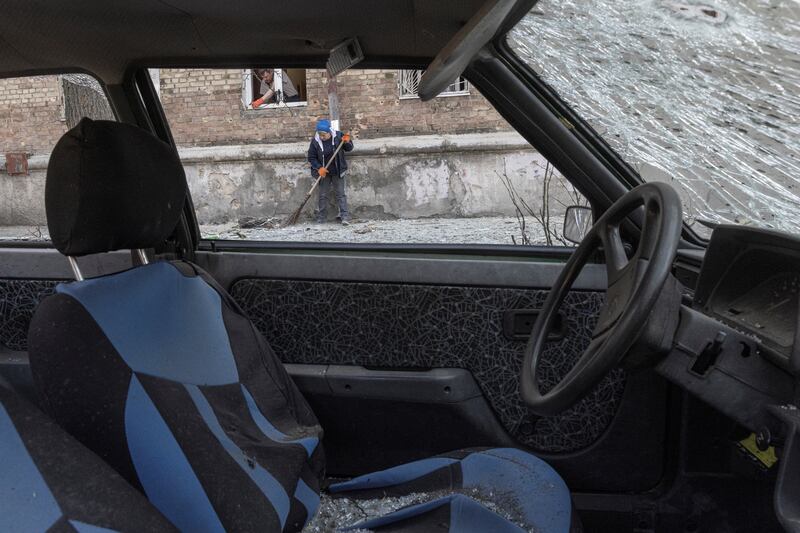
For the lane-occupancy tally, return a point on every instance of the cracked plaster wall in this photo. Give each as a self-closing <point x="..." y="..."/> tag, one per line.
<point x="408" y="177"/>
<point x="398" y="177"/>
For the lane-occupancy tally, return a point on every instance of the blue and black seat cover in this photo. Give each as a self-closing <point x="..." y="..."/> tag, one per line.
<point x="50" y="482"/>
<point x="158" y="371"/>
<point x="180" y="393"/>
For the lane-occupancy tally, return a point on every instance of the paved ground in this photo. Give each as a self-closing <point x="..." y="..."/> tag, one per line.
<point x="482" y="230"/>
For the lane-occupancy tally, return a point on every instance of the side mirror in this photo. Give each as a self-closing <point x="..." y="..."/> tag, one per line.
<point x="577" y="223"/>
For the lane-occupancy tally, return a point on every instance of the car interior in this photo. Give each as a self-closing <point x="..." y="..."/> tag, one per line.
<point x="152" y="379"/>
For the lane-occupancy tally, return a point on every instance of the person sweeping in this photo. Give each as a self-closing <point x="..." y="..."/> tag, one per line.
<point x="322" y="149"/>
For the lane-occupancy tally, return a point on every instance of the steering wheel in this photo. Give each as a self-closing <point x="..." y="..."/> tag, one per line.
<point x="634" y="287"/>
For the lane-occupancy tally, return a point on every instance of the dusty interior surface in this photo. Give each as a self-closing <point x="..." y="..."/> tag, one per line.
<point x="704" y="96"/>
<point x="334" y="513"/>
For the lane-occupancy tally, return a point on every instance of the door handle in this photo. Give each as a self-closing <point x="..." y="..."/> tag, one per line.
<point x="518" y="323"/>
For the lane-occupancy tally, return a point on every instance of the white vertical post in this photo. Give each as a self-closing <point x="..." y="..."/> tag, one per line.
<point x="333" y="102"/>
<point x="155" y="75"/>
<point x="247" y="88"/>
<point x="278" y="83"/>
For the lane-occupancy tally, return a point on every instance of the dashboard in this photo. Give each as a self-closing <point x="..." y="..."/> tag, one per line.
<point x="737" y="344"/>
<point x="750" y="280"/>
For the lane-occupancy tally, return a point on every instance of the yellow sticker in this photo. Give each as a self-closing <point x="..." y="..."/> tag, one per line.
<point x="765" y="457"/>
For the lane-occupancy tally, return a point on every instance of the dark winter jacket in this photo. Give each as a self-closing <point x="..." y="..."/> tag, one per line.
<point x="320" y="152"/>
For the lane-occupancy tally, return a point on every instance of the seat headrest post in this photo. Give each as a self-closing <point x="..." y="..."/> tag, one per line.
<point x="75" y="268"/>
<point x="142" y="256"/>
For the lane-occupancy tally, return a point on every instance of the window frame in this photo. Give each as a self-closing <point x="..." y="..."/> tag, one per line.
<point x="221" y="245"/>
<point x="248" y="95"/>
<point x="403" y="95"/>
<point x="203" y="243"/>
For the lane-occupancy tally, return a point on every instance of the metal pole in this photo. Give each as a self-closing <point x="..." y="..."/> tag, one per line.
<point x="75" y="269"/>
<point x="142" y="256"/>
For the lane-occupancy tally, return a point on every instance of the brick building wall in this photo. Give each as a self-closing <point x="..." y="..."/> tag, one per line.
<point x="31" y="114"/>
<point x="205" y="108"/>
<point x="245" y="162"/>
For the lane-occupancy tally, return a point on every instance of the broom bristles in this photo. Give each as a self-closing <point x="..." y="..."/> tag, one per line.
<point x="294" y="217"/>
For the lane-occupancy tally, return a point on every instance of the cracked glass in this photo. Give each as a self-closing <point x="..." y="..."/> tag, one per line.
<point x="705" y="97"/>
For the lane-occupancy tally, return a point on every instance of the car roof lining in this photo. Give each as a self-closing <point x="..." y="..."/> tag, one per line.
<point x="109" y="39"/>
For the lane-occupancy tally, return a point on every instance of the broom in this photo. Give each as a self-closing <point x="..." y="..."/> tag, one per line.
<point x="296" y="215"/>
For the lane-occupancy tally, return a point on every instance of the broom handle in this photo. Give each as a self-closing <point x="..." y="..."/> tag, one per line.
<point x="313" y="187"/>
<point x="335" y="153"/>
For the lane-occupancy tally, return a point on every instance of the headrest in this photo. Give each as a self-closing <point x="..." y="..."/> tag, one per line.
<point x="112" y="186"/>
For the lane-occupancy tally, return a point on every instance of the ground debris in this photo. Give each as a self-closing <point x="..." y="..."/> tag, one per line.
<point x="365" y="229"/>
<point x="473" y="230"/>
<point x="248" y="222"/>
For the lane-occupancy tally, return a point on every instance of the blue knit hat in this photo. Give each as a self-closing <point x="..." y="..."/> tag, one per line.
<point x="324" y="124"/>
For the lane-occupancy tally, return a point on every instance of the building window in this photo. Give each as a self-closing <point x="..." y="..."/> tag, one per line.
<point x="408" y="83"/>
<point x="265" y="88"/>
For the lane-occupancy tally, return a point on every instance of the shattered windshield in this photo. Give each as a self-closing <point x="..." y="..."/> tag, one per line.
<point x="706" y="97"/>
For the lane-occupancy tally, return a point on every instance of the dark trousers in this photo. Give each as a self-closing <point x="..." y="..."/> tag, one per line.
<point x="337" y="183"/>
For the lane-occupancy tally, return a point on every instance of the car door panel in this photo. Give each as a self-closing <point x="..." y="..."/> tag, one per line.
<point x="434" y="326"/>
<point x="403" y="356"/>
<point x="376" y="419"/>
<point x="28" y="274"/>
<point x="383" y="313"/>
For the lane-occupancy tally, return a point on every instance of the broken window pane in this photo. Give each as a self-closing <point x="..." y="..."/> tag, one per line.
<point x="704" y="97"/>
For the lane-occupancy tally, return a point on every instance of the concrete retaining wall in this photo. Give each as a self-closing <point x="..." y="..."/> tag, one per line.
<point x="22" y="197"/>
<point x="403" y="177"/>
